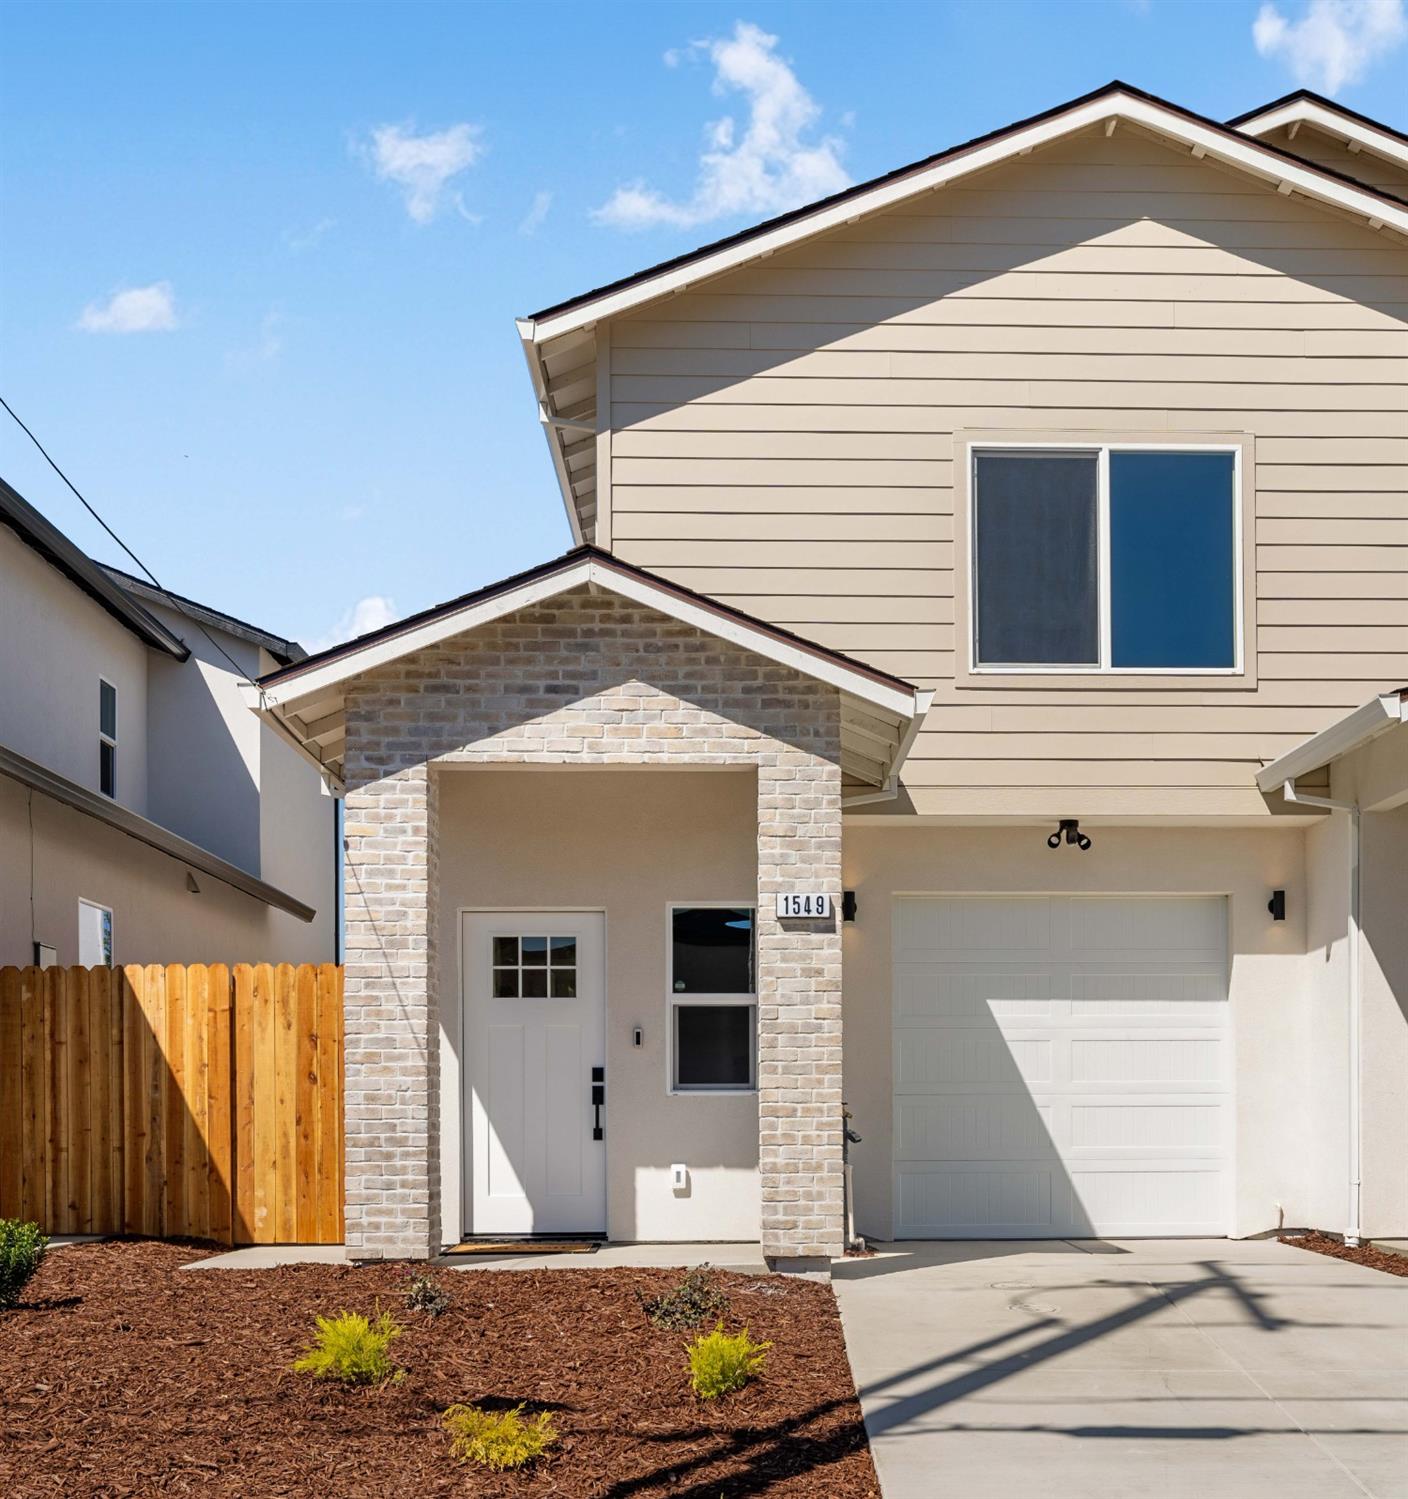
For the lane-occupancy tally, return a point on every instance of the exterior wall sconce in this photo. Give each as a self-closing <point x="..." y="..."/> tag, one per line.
<point x="848" y="905"/>
<point x="1277" y="905"/>
<point x="1068" y="830"/>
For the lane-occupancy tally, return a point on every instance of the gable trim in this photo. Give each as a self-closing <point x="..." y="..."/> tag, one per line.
<point x="1333" y="119"/>
<point x="1281" y="169"/>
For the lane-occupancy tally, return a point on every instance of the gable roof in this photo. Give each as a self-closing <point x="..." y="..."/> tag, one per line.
<point x="283" y="651"/>
<point x="1357" y="131"/>
<point x="305" y="698"/>
<point x="79" y="568"/>
<point x="1204" y="136"/>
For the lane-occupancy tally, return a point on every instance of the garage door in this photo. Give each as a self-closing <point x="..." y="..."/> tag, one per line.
<point x="1061" y="1066"/>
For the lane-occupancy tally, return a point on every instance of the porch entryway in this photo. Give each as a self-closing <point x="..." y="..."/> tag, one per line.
<point x="534" y="1016"/>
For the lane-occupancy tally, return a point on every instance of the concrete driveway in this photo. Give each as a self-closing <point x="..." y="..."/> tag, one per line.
<point x="1204" y="1368"/>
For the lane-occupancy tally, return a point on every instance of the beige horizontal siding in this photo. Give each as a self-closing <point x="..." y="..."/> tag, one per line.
<point x="783" y="438"/>
<point x="1314" y="145"/>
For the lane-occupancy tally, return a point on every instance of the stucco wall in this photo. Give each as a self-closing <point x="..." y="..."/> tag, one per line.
<point x="57" y="644"/>
<point x="155" y="918"/>
<point x="625" y="842"/>
<point x="1270" y="993"/>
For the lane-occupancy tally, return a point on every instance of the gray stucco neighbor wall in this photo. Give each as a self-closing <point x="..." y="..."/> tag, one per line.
<point x="588" y="678"/>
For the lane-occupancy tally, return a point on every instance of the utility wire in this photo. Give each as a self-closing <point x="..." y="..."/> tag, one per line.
<point x="170" y="598"/>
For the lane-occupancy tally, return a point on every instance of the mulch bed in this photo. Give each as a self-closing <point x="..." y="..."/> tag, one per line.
<point x="1366" y="1254"/>
<point x="123" y="1375"/>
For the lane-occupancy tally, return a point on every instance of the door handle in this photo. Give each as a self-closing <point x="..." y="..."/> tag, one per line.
<point x="598" y="1098"/>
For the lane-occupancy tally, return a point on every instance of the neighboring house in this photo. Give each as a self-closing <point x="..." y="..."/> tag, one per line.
<point x="145" y="817"/>
<point x="1059" y="476"/>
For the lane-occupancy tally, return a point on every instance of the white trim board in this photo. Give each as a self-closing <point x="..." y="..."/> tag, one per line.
<point x="1329" y="121"/>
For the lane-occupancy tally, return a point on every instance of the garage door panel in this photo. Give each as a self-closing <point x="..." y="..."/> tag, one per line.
<point x="1121" y="1126"/>
<point x="949" y="927"/>
<point x="1186" y="996"/>
<point x="1139" y="924"/>
<point x="945" y="995"/>
<point x="933" y="1058"/>
<point x="1023" y="1200"/>
<point x="978" y="1127"/>
<point x="1080" y="1087"/>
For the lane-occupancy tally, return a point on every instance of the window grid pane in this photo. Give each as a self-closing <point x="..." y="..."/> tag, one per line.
<point x="531" y="967"/>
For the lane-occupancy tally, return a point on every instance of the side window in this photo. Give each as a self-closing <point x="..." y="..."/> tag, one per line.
<point x="107" y="738"/>
<point x="712" y="1000"/>
<point x="94" y="935"/>
<point x="1105" y="559"/>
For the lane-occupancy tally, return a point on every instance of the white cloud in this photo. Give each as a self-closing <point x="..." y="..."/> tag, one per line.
<point x="367" y="614"/>
<point x="265" y="349"/>
<point x="767" y="166"/>
<point x="533" y="219"/>
<point x="138" y="309"/>
<point x="423" y="165"/>
<point x="1334" y="43"/>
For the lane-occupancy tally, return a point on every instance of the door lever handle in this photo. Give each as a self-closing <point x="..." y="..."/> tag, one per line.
<point x="598" y="1098"/>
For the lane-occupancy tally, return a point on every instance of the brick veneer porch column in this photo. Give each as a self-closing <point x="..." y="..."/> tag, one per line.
<point x="799" y="1012"/>
<point x="392" y="1015"/>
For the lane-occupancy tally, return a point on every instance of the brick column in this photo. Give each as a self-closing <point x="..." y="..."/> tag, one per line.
<point x="799" y="1013"/>
<point x="392" y="1017"/>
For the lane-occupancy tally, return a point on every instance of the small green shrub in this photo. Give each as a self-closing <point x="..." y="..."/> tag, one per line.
<point x="498" y="1439"/>
<point x="693" y="1301"/>
<point x="720" y="1362"/>
<point x="22" y="1247"/>
<point x="426" y="1294"/>
<point x="351" y="1348"/>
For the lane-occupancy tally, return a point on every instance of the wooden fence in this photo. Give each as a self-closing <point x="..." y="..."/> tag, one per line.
<point x="174" y="1100"/>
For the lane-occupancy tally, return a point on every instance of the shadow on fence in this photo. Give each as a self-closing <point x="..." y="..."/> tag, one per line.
<point x="175" y="1100"/>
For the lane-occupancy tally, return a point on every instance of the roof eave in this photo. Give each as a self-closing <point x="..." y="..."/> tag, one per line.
<point x="1341" y="738"/>
<point x="538" y="375"/>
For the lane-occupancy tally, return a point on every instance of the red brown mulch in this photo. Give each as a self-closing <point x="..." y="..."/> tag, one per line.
<point x="1376" y="1259"/>
<point x="122" y="1375"/>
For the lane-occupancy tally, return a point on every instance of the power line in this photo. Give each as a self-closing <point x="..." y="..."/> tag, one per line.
<point x="170" y="598"/>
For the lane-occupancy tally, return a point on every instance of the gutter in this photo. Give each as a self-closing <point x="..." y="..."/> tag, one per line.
<point x="1356" y="729"/>
<point x="69" y="794"/>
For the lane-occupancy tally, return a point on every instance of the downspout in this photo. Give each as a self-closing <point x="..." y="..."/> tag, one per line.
<point x="1356" y="1120"/>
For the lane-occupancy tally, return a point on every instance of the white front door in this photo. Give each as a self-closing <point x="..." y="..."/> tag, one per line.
<point x="1061" y="1066"/>
<point x="535" y="1028"/>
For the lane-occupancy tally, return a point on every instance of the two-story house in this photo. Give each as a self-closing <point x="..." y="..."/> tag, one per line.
<point x="974" y="694"/>
<point x="145" y="816"/>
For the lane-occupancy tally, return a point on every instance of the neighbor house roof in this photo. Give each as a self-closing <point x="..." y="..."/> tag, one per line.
<point x="879" y="708"/>
<point x="558" y="340"/>
<point x="56" y="549"/>
<point x="283" y="651"/>
<point x="70" y="794"/>
<point x="1303" y="107"/>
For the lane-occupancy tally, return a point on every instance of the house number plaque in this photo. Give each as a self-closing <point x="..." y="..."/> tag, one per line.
<point x="815" y="906"/>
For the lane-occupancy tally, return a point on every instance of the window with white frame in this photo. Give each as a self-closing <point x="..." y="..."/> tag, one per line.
<point x="94" y="935"/>
<point x="713" y="1002"/>
<point x="107" y="738"/>
<point x="1105" y="558"/>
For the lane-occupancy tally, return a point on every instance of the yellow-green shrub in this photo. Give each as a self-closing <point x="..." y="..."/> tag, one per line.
<point x="498" y="1439"/>
<point x="351" y="1348"/>
<point x="721" y="1362"/>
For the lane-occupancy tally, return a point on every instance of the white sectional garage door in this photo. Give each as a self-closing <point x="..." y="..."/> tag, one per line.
<point x="1061" y="1066"/>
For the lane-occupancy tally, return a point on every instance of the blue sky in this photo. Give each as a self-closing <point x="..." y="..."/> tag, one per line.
<point x="260" y="263"/>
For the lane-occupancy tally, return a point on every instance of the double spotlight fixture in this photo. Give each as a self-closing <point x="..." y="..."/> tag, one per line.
<point x="1068" y="830"/>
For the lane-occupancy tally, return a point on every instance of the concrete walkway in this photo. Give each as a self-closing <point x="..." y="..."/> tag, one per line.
<point x="1204" y="1368"/>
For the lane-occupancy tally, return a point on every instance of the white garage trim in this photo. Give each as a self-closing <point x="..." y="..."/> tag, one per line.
<point x="1062" y="1066"/>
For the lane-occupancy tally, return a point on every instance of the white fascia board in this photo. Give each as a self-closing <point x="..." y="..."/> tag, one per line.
<point x="559" y="464"/>
<point x="318" y="679"/>
<point x="378" y="652"/>
<point x="1350" y="733"/>
<point x="1249" y="154"/>
<point x="1308" y="112"/>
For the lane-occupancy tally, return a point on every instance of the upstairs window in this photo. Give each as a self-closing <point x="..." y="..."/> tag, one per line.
<point x="1105" y="559"/>
<point x="107" y="738"/>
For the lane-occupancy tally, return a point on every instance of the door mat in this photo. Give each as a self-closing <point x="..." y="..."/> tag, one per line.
<point x="524" y="1246"/>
